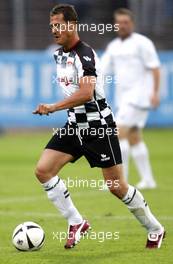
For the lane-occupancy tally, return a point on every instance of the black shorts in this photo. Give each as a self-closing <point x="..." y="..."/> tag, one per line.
<point x="99" y="147"/>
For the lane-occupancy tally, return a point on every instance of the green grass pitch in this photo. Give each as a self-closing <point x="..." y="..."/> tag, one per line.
<point x="22" y="199"/>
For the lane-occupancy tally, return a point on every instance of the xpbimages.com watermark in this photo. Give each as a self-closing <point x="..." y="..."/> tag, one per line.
<point x="100" y="28"/>
<point x="91" y="183"/>
<point x="100" y="236"/>
<point x="103" y="79"/>
<point x="101" y="132"/>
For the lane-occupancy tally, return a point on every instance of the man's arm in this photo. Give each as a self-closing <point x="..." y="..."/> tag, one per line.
<point x="83" y="95"/>
<point x="107" y="61"/>
<point x="151" y="61"/>
<point x="155" y="97"/>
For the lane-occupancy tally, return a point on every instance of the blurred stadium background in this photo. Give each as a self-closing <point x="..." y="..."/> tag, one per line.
<point x="27" y="68"/>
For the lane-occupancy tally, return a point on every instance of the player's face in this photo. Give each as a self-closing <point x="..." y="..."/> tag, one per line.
<point x="126" y="25"/>
<point x="60" y="29"/>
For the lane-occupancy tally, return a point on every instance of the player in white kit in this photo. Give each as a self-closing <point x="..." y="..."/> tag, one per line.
<point x="133" y="59"/>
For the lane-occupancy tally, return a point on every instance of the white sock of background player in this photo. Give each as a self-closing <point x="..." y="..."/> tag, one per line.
<point x="139" y="208"/>
<point x="60" y="196"/>
<point x="125" y="151"/>
<point x="139" y="153"/>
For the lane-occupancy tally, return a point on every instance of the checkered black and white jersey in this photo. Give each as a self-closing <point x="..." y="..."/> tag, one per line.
<point x="78" y="62"/>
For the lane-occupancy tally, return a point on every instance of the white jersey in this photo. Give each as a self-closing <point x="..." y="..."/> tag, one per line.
<point x="131" y="61"/>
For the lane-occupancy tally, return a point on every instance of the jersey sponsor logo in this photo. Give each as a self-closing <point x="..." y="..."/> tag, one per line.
<point x="104" y="157"/>
<point x="87" y="58"/>
<point x="70" y="61"/>
<point x="65" y="80"/>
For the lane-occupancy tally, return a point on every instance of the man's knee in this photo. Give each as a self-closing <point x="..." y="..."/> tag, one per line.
<point x="42" y="173"/>
<point x="123" y="132"/>
<point x="135" y="135"/>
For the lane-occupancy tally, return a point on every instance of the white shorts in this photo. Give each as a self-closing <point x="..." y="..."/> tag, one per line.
<point x="130" y="116"/>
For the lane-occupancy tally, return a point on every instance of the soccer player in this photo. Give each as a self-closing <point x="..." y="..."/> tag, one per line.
<point x="133" y="59"/>
<point x="78" y="71"/>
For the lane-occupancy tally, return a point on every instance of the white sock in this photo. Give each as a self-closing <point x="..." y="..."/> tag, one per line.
<point x="60" y="196"/>
<point x="125" y="151"/>
<point x="140" y="156"/>
<point x="138" y="206"/>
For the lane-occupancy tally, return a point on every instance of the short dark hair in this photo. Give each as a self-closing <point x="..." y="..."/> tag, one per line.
<point x="67" y="10"/>
<point x="124" y="11"/>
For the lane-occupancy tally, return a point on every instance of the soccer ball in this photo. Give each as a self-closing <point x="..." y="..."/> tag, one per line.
<point x="28" y="236"/>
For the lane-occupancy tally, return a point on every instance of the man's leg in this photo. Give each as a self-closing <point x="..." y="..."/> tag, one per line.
<point x="48" y="166"/>
<point x="135" y="202"/>
<point x="125" y="149"/>
<point x="140" y="155"/>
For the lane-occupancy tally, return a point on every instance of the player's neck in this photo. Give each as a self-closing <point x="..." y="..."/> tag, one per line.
<point x="126" y="36"/>
<point x="72" y="43"/>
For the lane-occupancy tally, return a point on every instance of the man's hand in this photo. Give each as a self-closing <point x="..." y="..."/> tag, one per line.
<point x="155" y="100"/>
<point x="44" y="109"/>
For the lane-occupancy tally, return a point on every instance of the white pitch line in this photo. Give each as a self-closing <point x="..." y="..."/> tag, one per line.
<point x="25" y="199"/>
<point x="57" y="215"/>
<point x="20" y="199"/>
<point x="33" y="214"/>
